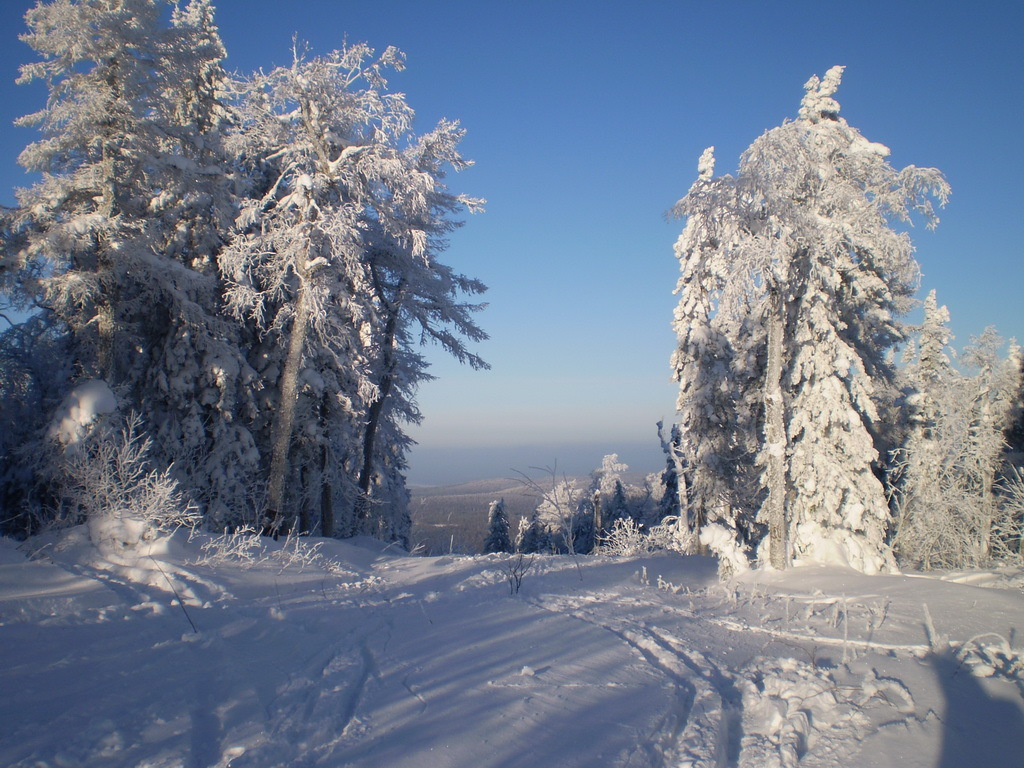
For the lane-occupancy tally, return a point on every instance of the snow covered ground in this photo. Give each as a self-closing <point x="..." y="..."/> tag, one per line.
<point x="354" y="654"/>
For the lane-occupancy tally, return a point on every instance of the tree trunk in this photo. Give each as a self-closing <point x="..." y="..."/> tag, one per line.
<point x="376" y="410"/>
<point x="369" y="438"/>
<point x="282" y="428"/>
<point x="775" y="440"/>
<point x="326" y="497"/>
<point x="306" y="504"/>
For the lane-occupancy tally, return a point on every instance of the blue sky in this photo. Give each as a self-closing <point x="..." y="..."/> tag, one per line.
<point x="586" y="120"/>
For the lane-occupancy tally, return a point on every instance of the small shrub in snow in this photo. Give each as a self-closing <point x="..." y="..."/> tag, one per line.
<point x="247" y="548"/>
<point x="673" y="535"/>
<point x="628" y="537"/>
<point x="991" y="655"/>
<point x="300" y="554"/>
<point x="125" y="501"/>
<point x="516" y="568"/>
<point x="243" y="547"/>
<point x="625" y="538"/>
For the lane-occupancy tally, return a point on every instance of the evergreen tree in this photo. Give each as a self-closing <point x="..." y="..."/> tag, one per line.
<point x="122" y="228"/>
<point x="606" y="491"/>
<point x="793" y="280"/>
<point x="335" y="263"/>
<point x="673" y="500"/>
<point x="497" y="529"/>
<point x="1015" y="431"/>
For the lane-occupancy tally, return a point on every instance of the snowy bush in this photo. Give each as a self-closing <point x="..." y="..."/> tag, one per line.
<point x="991" y="655"/>
<point x="673" y="535"/>
<point x="626" y="538"/>
<point x="109" y="479"/>
<point x="297" y="552"/>
<point x="243" y="547"/>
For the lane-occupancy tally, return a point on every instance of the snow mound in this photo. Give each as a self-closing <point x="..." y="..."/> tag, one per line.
<point x="82" y="406"/>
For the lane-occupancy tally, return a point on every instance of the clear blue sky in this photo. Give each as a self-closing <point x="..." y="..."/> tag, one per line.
<point x="586" y="120"/>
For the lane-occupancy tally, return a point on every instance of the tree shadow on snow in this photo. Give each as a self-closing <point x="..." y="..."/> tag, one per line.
<point x="978" y="728"/>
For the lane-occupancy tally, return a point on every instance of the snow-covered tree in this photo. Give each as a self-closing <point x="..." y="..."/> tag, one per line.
<point x="416" y="298"/>
<point x="793" y="281"/>
<point x="673" y="499"/>
<point x="562" y="519"/>
<point x="946" y="478"/>
<point x="497" y="529"/>
<point x="335" y="261"/>
<point x="607" y="492"/>
<point x="1015" y="430"/>
<point x="127" y="218"/>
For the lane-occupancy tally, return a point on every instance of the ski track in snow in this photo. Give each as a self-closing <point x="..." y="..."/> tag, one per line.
<point x="367" y="658"/>
<point x="696" y="730"/>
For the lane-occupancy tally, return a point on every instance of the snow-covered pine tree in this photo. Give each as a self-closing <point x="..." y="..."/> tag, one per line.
<point x="994" y="391"/>
<point x="533" y="535"/>
<point x="673" y="499"/>
<point x="198" y="390"/>
<point x="719" y="415"/>
<point x="497" y="529"/>
<point x="1015" y="431"/>
<point x="126" y="219"/>
<point x="793" y="280"/>
<point x="335" y="261"/>
<point x="294" y="267"/>
<point x="606" y="490"/>
<point x="919" y="501"/>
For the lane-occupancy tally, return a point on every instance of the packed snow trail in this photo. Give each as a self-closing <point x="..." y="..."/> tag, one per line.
<point x="349" y="654"/>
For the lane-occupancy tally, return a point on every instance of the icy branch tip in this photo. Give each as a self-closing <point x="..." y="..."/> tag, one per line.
<point x="706" y="164"/>
<point x="818" y="103"/>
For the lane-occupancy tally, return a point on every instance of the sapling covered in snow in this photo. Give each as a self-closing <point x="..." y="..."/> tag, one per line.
<point x="793" y="281"/>
<point x="673" y="500"/>
<point x="497" y="528"/>
<point x="561" y="521"/>
<point x="106" y="476"/>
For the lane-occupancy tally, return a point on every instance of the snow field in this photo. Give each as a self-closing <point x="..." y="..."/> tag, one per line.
<point x="327" y="653"/>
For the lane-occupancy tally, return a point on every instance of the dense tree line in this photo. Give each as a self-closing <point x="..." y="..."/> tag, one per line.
<point x="248" y="263"/>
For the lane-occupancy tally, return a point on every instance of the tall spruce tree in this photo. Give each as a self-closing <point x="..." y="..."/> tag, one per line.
<point x="124" y="225"/>
<point x="793" y="282"/>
